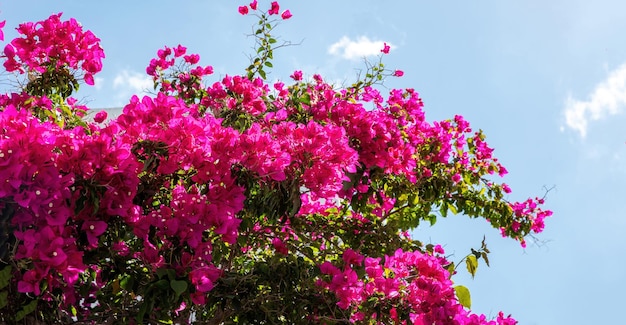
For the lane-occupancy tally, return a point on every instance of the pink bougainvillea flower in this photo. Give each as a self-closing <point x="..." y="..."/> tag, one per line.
<point x="198" y="298"/>
<point x="121" y="248"/>
<point x="274" y="9"/>
<point x="243" y="10"/>
<point x="297" y="75"/>
<point x="280" y="246"/>
<point x="398" y="73"/>
<point x="94" y="229"/>
<point x="386" y="48"/>
<point x="286" y="15"/>
<point x="30" y="282"/>
<point x="351" y="257"/>
<point x="89" y="79"/>
<point x="179" y="51"/>
<point x="253" y="5"/>
<point x="100" y="117"/>
<point x="192" y="58"/>
<point x="204" y="279"/>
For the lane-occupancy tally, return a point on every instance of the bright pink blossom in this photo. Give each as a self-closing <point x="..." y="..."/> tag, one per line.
<point x="297" y="75"/>
<point x="274" y="9"/>
<point x="243" y="10"/>
<point x="286" y="15"/>
<point x="280" y="246"/>
<point x="88" y="79"/>
<point x="93" y="230"/>
<point x="385" y="49"/>
<point x="100" y="117"/>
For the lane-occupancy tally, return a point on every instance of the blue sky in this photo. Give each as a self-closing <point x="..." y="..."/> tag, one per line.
<point x="545" y="80"/>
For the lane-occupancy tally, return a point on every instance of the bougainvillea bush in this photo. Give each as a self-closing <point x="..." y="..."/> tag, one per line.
<point x="233" y="200"/>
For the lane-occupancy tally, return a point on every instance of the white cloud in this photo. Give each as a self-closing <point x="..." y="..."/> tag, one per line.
<point x="98" y="83"/>
<point x="133" y="82"/>
<point x="356" y="49"/>
<point x="608" y="98"/>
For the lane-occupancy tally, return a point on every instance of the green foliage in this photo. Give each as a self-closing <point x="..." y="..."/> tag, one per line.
<point x="26" y="309"/>
<point x="472" y="264"/>
<point x="266" y="44"/>
<point x="5" y="277"/>
<point x="463" y="294"/>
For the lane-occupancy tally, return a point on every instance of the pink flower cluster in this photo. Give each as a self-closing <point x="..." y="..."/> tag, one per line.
<point x="412" y="284"/>
<point x="52" y="44"/>
<point x="274" y="10"/>
<point x="64" y="186"/>
<point x="182" y="79"/>
<point x="527" y="212"/>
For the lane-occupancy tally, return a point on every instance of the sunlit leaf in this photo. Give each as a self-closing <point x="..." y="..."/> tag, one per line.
<point x="472" y="264"/>
<point x="463" y="294"/>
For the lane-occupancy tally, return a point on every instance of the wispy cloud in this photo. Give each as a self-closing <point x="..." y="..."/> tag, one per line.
<point x="356" y="49"/>
<point x="133" y="82"/>
<point x="608" y="98"/>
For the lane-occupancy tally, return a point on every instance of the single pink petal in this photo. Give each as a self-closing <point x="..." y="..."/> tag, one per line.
<point x="2" y="23"/>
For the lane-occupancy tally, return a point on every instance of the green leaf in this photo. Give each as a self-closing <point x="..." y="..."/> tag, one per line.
<point x="268" y="64"/>
<point x="450" y="267"/>
<point x="452" y="208"/>
<point x="432" y="219"/>
<point x="463" y="294"/>
<point x="472" y="264"/>
<point x="305" y="99"/>
<point x="178" y="286"/>
<point x="484" y="255"/>
<point x="161" y="284"/>
<point x="3" y="299"/>
<point x="161" y="273"/>
<point x="262" y="74"/>
<point x="5" y="276"/>
<point x="127" y="283"/>
<point x="27" y="309"/>
<point x="142" y="312"/>
<point x="415" y="199"/>
<point x="444" y="211"/>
